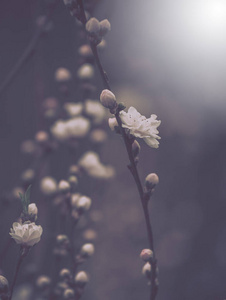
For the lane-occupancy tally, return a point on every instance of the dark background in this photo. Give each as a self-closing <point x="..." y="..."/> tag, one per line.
<point x="163" y="57"/>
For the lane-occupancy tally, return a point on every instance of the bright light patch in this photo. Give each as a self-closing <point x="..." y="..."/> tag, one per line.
<point x="209" y="17"/>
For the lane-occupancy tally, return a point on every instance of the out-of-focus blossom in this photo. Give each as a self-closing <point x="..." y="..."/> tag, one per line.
<point x="73" y="128"/>
<point x="62" y="75"/>
<point x="95" y="110"/>
<point x="26" y="234"/>
<point x="48" y="186"/>
<point x="85" y="51"/>
<point x="73" y="109"/>
<point x="59" y="130"/>
<point x="90" y="162"/>
<point x="81" y="278"/>
<point x="86" y="71"/>
<point x="64" y="186"/>
<point x="98" y="136"/>
<point x="141" y="127"/>
<point x="77" y="127"/>
<point x="87" y="250"/>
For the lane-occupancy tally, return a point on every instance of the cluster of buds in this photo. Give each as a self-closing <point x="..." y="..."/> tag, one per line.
<point x="43" y="285"/>
<point x="63" y="246"/>
<point x="149" y="270"/>
<point x="97" y="29"/>
<point x="70" y="287"/>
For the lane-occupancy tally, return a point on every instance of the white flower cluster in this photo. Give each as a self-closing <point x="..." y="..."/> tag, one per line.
<point x="27" y="234"/>
<point x="76" y="127"/>
<point x="90" y="162"/>
<point x="139" y="126"/>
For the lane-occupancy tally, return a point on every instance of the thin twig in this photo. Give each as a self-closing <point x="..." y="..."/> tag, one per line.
<point x="20" y="259"/>
<point x="28" y="52"/>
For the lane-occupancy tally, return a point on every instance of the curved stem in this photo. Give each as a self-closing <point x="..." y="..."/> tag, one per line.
<point x="20" y="259"/>
<point x="132" y="167"/>
<point x="27" y="52"/>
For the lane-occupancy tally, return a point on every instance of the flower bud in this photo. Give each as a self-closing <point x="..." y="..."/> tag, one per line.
<point x="41" y="137"/>
<point x="89" y="235"/>
<point x="146" y="270"/>
<point x="48" y="186"/>
<point x="85" y="51"/>
<point x="32" y="209"/>
<point x="62" y="75"/>
<point x="64" y="186"/>
<point x="43" y="282"/>
<point x="4" y="285"/>
<point x="108" y="100"/>
<point x="28" y="176"/>
<point x="69" y="294"/>
<point x="74" y="170"/>
<point x="81" y="278"/>
<point x="151" y="180"/>
<point x="112" y="122"/>
<point x="135" y="148"/>
<point x="65" y="274"/>
<point x="86" y="71"/>
<point x="83" y="203"/>
<point x="146" y="254"/>
<point x="105" y="27"/>
<point x="28" y="147"/>
<point x="73" y="181"/>
<point x="87" y="250"/>
<point x="62" y="240"/>
<point x="93" y="26"/>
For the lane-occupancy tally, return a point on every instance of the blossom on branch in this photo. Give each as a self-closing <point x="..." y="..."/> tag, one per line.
<point x="141" y="127"/>
<point x="26" y="234"/>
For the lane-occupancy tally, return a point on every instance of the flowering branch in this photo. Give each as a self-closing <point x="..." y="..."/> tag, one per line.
<point x="95" y="33"/>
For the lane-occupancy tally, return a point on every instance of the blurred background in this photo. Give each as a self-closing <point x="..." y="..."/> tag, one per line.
<point x="163" y="57"/>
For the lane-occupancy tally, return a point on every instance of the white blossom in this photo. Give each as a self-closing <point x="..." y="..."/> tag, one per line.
<point x="73" y="128"/>
<point x="26" y="234"/>
<point x="141" y="127"/>
<point x="91" y="163"/>
<point x="77" y="127"/>
<point x="73" y="109"/>
<point x="59" y="130"/>
<point x="95" y="110"/>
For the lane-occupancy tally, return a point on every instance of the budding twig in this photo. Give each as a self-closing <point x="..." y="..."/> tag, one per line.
<point x="132" y="167"/>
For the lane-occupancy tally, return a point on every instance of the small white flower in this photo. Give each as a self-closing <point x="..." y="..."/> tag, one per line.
<point x="141" y="127"/>
<point x="26" y="234"/>
<point x="32" y="209"/>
